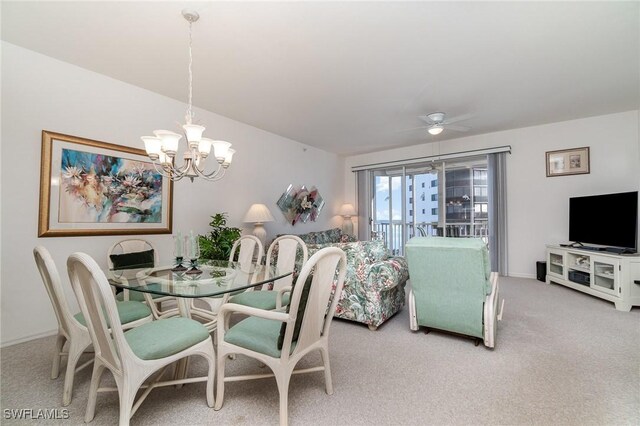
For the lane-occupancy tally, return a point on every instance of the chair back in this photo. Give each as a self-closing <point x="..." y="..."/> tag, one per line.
<point x="249" y="246"/>
<point x="51" y="280"/>
<point x="327" y="265"/>
<point x="132" y="245"/>
<point x="286" y="255"/>
<point x="450" y="280"/>
<point x="99" y="308"/>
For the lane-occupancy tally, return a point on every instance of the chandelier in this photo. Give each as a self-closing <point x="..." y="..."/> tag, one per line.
<point x="162" y="148"/>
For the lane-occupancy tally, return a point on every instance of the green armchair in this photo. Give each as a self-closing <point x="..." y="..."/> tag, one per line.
<point x="452" y="287"/>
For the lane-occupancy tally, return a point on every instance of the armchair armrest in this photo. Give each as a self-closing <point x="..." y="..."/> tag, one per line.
<point x="280" y="294"/>
<point x="386" y="274"/>
<point x="229" y="308"/>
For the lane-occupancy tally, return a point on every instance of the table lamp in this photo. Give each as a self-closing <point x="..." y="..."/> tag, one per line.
<point x="258" y="214"/>
<point x="346" y="211"/>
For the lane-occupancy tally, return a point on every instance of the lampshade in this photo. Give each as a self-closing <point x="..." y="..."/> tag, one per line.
<point x="347" y="210"/>
<point x="258" y="213"/>
<point x="220" y="150"/>
<point x="169" y="140"/>
<point x="436" y="129"/>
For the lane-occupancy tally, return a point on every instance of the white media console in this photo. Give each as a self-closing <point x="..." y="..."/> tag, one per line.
<point x="605" y="275"/>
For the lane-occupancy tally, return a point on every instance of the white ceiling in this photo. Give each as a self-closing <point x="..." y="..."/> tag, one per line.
<point x="351" y="77"/>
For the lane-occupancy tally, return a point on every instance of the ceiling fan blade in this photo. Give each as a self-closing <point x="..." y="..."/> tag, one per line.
<point x="458" y="118"/>
<point x="412" y="129"/>
<point x="457" y="128"/>
<point x="426" y="120"/>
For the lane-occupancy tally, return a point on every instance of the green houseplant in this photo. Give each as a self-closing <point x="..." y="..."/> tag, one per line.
<point x="216" y="245"/>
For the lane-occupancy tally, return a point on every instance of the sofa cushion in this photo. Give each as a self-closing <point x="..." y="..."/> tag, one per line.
<point x="358" y="251"/>
<point x="334" y="235"/>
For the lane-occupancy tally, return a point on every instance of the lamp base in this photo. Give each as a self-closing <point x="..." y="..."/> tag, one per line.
<point x="347" y="226"/>
<point x="260" y="232"/>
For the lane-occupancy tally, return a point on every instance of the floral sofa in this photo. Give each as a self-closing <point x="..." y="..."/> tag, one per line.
<point x="374" y="284"/>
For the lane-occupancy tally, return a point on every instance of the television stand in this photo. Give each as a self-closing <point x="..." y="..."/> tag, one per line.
<point x="619" y="250"/>
<point x="602" y="274"/>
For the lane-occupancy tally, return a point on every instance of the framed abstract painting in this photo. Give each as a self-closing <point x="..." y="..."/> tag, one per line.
<point x="89" y="187"/>
<point x="298" y="203"/>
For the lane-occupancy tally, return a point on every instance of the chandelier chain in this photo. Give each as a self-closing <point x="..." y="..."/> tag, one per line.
<point x="190" y="108"/>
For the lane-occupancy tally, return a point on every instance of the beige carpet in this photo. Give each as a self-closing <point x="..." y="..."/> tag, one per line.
<point x="562" y="357"/>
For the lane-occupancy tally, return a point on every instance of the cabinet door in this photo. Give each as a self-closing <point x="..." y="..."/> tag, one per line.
<point x="606" y="275"/>
<point x="555" y="264"/>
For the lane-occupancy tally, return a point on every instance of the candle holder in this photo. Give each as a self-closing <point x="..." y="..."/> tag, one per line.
<point x="178" y="250"/>
<point x="179" y="267"/>
<point x="193" y="253"/>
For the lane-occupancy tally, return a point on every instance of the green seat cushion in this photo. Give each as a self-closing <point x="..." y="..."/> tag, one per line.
<point x="259" y="299"/>
<point x="165" y="337"/>
<point x="257" y="334"/>
<point x="138" y="295"/>
<point x="128" y="311"/>
<point x="139" y="259"/>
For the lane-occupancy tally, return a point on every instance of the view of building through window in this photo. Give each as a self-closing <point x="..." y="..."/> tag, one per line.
<point x="441" y="199"/>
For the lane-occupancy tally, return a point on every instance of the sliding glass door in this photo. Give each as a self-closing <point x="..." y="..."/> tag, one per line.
<point x="438" y="198"/>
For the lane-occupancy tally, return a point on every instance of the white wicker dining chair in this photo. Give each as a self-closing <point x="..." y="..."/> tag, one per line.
<point x="72" y="329"/>
<point x="258" y="336"/>
<point x="244" y="251"/>
<point x="285" y="249"/>
<point x="121" y="252"/>
<point x="134" y="356"/>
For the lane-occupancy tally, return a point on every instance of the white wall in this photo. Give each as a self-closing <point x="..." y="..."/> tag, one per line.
<point x="42" y="93"/>
<point x="538" y="206"/>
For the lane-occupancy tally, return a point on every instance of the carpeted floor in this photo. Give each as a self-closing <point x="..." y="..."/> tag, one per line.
<point x="561" y="358"/>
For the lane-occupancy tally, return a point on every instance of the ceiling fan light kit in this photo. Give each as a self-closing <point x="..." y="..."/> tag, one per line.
<point x="436" y="129"/>
<point x="437" y="123"/>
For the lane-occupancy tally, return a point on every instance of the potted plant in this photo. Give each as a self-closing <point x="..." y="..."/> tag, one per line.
<point x="216" y="245"/>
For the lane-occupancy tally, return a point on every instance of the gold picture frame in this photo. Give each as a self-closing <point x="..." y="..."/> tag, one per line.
<point x="568" y="162"/>
<point x="89" y="187"/>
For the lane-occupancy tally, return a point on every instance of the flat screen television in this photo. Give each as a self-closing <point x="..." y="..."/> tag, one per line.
<point x="605" y="220"/>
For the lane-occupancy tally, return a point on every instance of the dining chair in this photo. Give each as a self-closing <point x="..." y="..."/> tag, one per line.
<point x="282" y="252"/>
<point x="244" y="250"/>
<point x="73" y="328"/>
<point x="280" y="339"/>
<point x="141" y="253"/>
<point x="135" y="355"/>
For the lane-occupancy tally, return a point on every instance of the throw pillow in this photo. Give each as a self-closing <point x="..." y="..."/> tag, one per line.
<point x="139" y="259"/>
<point x="304" y="297"/>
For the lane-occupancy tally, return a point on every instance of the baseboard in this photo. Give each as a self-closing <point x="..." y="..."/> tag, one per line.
<point x="517" y="275"/>
<point x="28" y="338"/>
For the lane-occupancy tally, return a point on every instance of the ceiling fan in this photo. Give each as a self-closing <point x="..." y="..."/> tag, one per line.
<point x="437" y="122"/>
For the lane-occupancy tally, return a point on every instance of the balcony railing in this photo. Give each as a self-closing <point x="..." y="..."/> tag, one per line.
<point x="393" y="240"/>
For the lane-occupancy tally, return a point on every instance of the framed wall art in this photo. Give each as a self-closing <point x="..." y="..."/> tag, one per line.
<point x="568" y="162"/>
<point x="298" y="203"/>
<point x="98" y="188"/>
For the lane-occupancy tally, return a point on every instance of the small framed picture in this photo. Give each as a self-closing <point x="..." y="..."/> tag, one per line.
<point x="565" y="162"/>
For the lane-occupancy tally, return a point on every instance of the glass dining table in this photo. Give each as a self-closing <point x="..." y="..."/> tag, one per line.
<point x="213" y="278"/>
